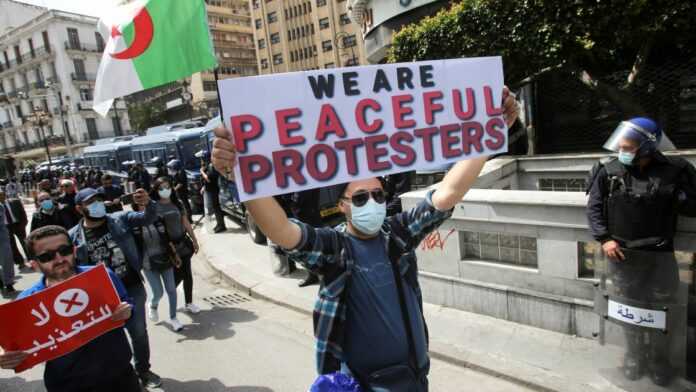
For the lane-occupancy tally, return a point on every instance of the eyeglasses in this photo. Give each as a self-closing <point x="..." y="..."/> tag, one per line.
<point x="360" y="198"/>
<point x="48" y="256"/>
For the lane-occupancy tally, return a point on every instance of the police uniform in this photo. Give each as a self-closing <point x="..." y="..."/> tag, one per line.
<point x="638" y="208"/>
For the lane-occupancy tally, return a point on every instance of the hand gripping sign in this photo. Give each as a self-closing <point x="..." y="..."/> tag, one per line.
<point x="61" y="318"/>
<point x="305" y="130"/>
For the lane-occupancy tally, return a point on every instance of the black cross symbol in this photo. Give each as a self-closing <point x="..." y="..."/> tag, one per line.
<point x="71" y="302"/>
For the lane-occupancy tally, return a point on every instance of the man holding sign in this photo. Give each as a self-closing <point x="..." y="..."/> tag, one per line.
<point x="375" y="330"/>
<point x="103" y="364"/>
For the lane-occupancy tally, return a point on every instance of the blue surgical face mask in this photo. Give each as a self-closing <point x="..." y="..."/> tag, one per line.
<point x="96" y="210"/>
<point x="47" y="205"/>
<point x="369" y="218"/>
<point x="626" y="157"/>
<point x="165" y="193"/>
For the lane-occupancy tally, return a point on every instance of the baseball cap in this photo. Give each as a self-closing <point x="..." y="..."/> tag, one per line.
<point x="86" y="195"/>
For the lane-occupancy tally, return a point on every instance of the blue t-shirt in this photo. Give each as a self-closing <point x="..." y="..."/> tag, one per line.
<point x="95" y="364"/>
<point x="375" y="334"/>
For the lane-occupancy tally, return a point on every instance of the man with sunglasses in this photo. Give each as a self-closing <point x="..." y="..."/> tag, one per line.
<point x="376" y="324"/>
<point x="108" y="238"/>
<point x="102" y="364"/>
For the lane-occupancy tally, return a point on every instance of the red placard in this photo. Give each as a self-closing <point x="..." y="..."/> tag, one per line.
<point x="61" y="318"/>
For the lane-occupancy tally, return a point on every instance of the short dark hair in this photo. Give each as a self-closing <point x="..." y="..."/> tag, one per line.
<point x="106" y="177"/>
<point x="44" y="232"/>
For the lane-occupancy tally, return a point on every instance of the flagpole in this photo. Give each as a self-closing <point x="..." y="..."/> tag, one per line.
<point x="217" y="89"/>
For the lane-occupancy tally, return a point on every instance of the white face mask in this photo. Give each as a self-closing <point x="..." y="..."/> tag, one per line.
<point x="368" y="219"/>
<point x="165" y="193"/>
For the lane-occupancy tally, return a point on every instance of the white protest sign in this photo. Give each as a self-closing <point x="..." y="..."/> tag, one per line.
<point x="304" y="130"/>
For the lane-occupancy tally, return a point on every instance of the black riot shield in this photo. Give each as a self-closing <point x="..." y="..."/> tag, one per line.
<point x="642" y="303"/>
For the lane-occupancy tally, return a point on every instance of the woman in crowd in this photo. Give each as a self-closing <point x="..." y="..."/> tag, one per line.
<point x="159" y="260"/>
<point x="181" y="234"/>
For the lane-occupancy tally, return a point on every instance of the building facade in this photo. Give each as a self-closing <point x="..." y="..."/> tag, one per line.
<point x="295" y="35"/>
<point x="379" y="20"/>
<point x="48" y="65"/>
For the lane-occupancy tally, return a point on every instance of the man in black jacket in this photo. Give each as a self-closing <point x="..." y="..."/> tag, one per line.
<point x="16" y="218"/>
<point x="210" y="181"/>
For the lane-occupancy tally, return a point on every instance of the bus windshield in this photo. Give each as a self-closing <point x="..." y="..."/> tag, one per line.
<point x="188" y="149"/>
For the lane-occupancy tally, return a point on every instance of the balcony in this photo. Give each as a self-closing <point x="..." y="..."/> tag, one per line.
<point x="53" y="141"/>
<point x="6" y="125"/>
<point x="80" y="47"/>
<point x="84" y="105"/>
<point x="26" y="58"/>
<point x="83" y="77"/>
<point x="36" y="54"/>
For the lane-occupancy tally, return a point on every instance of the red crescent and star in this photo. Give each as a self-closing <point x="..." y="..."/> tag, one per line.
<point x="144" y="31"/>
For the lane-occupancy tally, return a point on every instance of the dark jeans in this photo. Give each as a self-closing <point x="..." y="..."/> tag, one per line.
<point x="18" y="230"/>
<point x="126" y="382"/>
<point x="137" y="328"/>
<point x="219" y="216"/>
<point x="648" y="278"/>
<point x="184" y="274"/>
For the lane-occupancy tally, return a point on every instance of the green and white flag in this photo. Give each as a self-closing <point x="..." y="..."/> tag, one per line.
<point x="150" y="43"/>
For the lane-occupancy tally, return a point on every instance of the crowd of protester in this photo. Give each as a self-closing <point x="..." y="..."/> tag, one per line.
<point x="141" y="236"/>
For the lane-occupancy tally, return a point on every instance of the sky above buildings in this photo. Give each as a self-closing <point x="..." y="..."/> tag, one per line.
<point x="87" y="7"/>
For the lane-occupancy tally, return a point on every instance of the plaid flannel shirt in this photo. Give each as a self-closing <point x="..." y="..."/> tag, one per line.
<point x="326" y="252"/>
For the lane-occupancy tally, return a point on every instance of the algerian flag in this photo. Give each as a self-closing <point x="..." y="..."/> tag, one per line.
<point x="150" y="43"/>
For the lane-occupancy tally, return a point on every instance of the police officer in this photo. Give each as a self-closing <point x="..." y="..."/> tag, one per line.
<point x="634" y="202"/>
<point x="180" y="183"/>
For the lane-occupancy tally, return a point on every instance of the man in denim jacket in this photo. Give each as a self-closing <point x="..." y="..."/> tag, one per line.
<point x="107" y="238"/>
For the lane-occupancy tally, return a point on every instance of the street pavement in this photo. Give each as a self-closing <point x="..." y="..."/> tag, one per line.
<point x="240" y="344"/>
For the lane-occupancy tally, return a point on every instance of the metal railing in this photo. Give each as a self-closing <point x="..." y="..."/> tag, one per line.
<point x="82" y="77"/>
<point x="37" y="53"/>
<point x="82" y="47"/>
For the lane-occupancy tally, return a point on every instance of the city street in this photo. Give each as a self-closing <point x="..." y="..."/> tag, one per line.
<point x="239" y="344"/>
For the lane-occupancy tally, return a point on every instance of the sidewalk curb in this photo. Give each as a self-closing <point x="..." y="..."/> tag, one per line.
<point x="249" y="290"/>
<point x="252" y="292"/>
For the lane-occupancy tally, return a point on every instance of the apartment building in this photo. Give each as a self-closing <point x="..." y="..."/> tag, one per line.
<point x="294" y="35"/>
<point x="48" y="65"/>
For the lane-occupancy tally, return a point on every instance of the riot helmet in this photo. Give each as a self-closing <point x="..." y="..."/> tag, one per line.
<point x="174" y="164"/>
<point x="643" y="134"/>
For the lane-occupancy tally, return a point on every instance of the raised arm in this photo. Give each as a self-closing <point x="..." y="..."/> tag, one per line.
<point x="462" y="175"/>
<point x="141" y="218"/>
<point x="267" y="213"/>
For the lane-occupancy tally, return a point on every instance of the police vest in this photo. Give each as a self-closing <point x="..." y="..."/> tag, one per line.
<point x="641" y="211"/>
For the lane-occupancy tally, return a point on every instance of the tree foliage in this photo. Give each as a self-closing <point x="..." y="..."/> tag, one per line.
<point x="591" y="39"/>
<point x="144" y="115"/>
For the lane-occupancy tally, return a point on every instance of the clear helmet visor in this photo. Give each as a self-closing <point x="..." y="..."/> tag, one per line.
<point x="629" y="134"/>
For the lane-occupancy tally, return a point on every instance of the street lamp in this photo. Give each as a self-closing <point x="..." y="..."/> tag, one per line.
<point x="62" y="108"/>
<point x="40" y="118"/>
